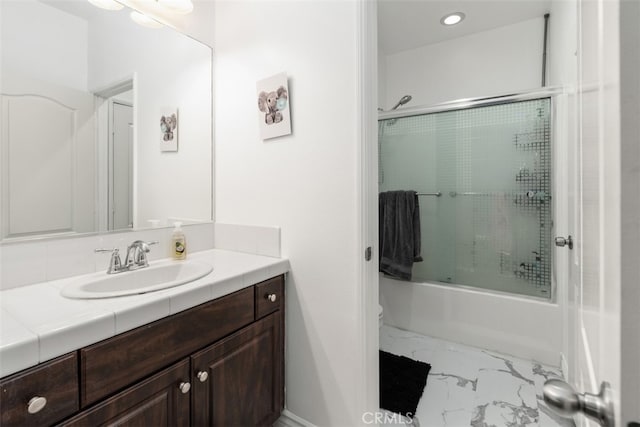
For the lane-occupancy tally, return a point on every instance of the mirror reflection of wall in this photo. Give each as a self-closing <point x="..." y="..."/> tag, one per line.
<point x="82" y="94"/>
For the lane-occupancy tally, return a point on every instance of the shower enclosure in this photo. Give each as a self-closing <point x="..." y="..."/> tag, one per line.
<point x="483" y="175"/>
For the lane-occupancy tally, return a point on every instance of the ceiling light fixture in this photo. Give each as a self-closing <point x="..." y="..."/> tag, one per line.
<point x="452" y="18"/>
<point x="144" y="20"/>
<point x="107" y="4"/>
<point x="178" y="6"/>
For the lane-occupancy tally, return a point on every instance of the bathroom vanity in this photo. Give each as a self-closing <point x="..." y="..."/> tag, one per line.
<point x="219" y="363"/>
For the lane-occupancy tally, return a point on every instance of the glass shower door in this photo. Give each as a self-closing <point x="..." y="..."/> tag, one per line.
<point x="491" y="227"/>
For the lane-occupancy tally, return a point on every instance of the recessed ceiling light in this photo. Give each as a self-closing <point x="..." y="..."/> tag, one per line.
<point x="144" y="20"/>
<point x="107" y="4"/>
<point x="452" y="18"/>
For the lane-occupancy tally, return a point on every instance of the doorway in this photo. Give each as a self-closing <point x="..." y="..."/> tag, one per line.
<point x="592" y="311"/>
<point x="115" y="116"/>
<point x="120" y="168"/>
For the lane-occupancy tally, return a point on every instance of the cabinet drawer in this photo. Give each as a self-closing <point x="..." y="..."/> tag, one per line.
<point x="111" y="365"/>
<point x="56" y="381"/>
<point x="269" y="296"/>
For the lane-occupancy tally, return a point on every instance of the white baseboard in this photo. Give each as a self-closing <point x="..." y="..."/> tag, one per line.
<point x="289" y="419"/>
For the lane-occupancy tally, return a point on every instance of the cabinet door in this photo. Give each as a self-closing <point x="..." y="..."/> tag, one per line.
<point x="161" y="400"/>
<point x="244" y="377"/>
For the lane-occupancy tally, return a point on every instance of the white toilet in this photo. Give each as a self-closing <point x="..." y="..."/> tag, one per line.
<point x="379" y="316"/>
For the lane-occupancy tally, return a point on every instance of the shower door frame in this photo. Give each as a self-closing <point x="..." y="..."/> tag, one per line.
<point x="463" y="104"/>
<point x="559" y="212"/>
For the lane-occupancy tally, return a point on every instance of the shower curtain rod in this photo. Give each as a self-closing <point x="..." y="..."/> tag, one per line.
<point x="462" y="104"/>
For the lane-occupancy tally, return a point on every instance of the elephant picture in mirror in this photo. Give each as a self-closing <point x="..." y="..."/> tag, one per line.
<point x="81" y="91"/>
<point x="169" y="130"/>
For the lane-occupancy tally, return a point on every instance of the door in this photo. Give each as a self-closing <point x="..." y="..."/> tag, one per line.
<point x="245" y="367"/>
<point x="594" y="273"/>
<point x="121" y="168"/>
<point x="162" y="400"/>
<point x="46" y="166"/>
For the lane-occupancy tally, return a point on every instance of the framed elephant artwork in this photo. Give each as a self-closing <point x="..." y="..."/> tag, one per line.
<point x="169" y="129"/>
<point x="274" y="116"/>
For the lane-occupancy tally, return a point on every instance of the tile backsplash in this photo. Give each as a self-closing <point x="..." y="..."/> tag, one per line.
<point x="24" y="263"/>
<point x="258" y="240"/>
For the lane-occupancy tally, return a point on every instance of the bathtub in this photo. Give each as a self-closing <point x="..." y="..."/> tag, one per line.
<point x="524" y="327"/>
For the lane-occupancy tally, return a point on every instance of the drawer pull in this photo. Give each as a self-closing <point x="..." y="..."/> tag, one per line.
<point x="271" y="297"/>
<point x="184" y="387"/>
<point x="36" y="404"/>
<point x="202" y="376"/>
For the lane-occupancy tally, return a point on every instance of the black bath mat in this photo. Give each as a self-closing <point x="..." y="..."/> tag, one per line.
<point x="402" y="381"/>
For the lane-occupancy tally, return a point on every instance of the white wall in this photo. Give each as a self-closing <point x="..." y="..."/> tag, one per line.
<point x="170" y="184"/>
<point x="44" y="43"/>
<point x="495" y="62"/>
<point x="306" y="183"/>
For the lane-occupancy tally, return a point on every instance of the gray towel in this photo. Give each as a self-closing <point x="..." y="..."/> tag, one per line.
<point x="399" y="228"/>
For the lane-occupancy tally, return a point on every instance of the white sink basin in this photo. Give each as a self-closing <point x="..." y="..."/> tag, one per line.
<point x="160" y="275"/>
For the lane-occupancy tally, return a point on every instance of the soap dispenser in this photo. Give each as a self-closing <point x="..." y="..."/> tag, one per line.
<point x="178" y="242"/>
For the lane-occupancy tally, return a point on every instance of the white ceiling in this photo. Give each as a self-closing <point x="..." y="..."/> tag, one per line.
<point x="408" y="24"/>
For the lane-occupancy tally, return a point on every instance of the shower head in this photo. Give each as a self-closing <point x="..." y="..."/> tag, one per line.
<point x="402" y="101"/>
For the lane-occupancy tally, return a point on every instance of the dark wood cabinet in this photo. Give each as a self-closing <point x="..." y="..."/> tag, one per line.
<point x="245" y="367"/>
<point x="109" y="365"/>
<point x="153" y="375"/>
<point x="161" y="400"/>
<point x="41" y="395"/>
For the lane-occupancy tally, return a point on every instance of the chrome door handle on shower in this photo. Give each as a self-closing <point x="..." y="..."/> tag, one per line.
<point x="561" y="242"/>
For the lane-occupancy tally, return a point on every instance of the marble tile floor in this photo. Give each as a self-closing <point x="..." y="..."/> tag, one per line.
<point x="468" y="386"/>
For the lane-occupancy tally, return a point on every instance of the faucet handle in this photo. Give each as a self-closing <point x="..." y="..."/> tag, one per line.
<point x="115" y="264"/>
<point x="143" y="245"/>
<point x="152" y="242"/>
<point x="106" y="250"/>
<point x="137" y="254"/>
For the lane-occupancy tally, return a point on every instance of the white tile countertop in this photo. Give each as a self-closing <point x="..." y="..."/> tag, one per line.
<point x="39" y="324"/>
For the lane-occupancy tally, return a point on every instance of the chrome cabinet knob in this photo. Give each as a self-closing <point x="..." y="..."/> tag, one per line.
<point x="184" y="387"/>
<point x="271" y="297"/>
<point x="202" y="376"/>
<point x="36" y="404"/>
<point x="562" y="242"/>
<point x="566" y="402"/>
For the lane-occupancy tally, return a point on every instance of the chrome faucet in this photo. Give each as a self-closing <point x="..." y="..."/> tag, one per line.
<point x="136" y="257"/>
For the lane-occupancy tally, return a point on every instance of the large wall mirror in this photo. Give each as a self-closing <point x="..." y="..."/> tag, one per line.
<point x="89" y="140"/>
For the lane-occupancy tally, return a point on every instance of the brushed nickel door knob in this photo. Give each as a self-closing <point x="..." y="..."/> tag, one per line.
<point x="184" y="387"/>
<point x="272" y="297"/>
<point x="566" y="402"/>
<point x="36" y="404"/>
<point x="202" y="376"/>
